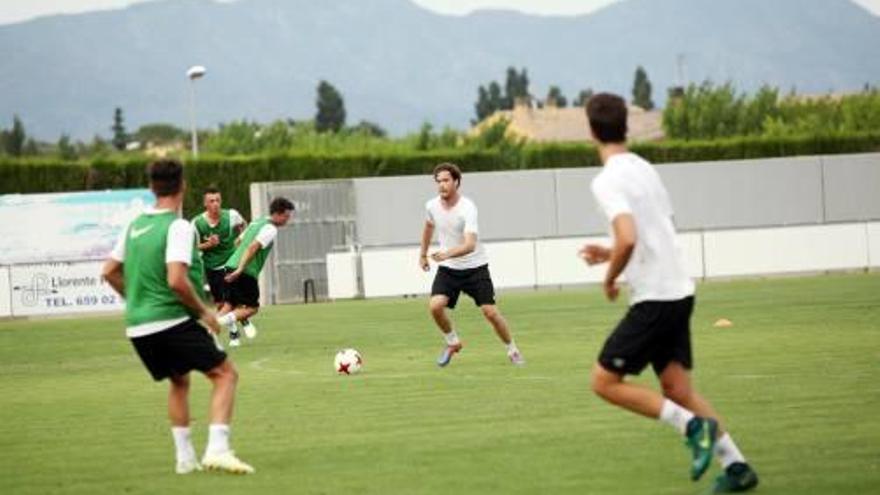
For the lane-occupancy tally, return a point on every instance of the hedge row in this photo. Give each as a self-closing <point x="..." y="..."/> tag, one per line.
<point x="233" y="175"/>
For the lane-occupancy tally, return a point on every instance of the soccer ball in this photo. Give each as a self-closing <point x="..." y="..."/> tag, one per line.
<point x="347" y="362"/>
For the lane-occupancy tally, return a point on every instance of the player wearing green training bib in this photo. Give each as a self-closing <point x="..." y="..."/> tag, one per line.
<point x="156" y="267"/>
<point x="217" y="229"/>
<point x="244" y="268"/>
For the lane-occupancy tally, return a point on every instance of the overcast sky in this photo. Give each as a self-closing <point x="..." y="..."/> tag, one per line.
<point x="20" y="10"/>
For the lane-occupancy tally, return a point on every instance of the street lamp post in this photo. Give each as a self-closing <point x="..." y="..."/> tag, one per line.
<point x="194" y="72"/>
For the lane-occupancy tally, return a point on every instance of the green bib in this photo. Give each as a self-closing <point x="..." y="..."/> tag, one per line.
<point x="147" y="295"/>
<point x="216" y="256"/>
<point x="247" y="238"/>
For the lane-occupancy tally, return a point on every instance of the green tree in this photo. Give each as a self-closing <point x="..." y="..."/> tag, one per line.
<point x="555" y="97"/>
<point x="159" y="133"/>
<point x="367" y="128"/>
<point x="66" y="149"/>
<point x="98" y="146"/>
<point x="496" y="99"/>
<point x="482" y="107"/>
<point x="642" y="90"/>
<point x="331" y="109"/>
<point x="583" y="96"/>
<point x="515" y="87"/>
<point x="15" y="138"/>
<point x="31" y="147"/>
<point x="424" y="141"/>
<point x="120" y="137"/>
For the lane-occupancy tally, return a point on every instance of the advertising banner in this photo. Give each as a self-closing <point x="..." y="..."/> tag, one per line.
<point x="78" y="226"/>
<point x="61" y="288"/>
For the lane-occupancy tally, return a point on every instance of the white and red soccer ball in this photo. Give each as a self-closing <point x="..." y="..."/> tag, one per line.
<point x="348" y="362"/>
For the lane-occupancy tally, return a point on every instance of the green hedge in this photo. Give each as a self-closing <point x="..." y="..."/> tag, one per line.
<point x="233" y="175"/>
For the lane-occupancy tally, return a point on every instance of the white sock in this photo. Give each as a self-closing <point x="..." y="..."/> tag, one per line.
<point x="727" y="451"/>
<point x="183" y="443"/>
<point x="451" y="338"/>
<point x="511" y="347"/>
<point x="218" y="439"/>
<point x="228" y="319"/>
<point x="675" y="415"/>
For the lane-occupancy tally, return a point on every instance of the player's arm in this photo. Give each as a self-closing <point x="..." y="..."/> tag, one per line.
<point x="264" y="238"/>
<point x="178" y="281"/>
<point x="112" y="269"/>
<point x="427" y="235"/>
<point x="238" y="224"/>
<point x="209" y="243"/>
<point x="465" y="248"/>
<point x="624" y="226"/>
<point x="178" y="255"/>
<point x="594" y="254"/>
<point x="112" y="273"/>
<point x="246" y="258"/>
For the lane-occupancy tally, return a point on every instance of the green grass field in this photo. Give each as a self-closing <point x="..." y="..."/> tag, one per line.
<point x="797" y="379"/>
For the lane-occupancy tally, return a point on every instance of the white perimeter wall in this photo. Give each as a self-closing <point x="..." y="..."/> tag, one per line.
<point x="63" y="288"/>
<point x="552" y="262"/>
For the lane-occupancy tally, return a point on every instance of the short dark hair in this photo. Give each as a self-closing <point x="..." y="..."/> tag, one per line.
<point x="452" y="168"/>
<point x="607" y="115"/>
<point x="212" y="189"/>
<point x="280" y="205"/>
<point x="166" y="177"/>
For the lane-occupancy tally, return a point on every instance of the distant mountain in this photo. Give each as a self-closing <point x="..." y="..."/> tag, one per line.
<point x="400" y="65"/>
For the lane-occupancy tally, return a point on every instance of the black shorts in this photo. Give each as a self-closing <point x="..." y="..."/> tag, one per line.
<point x="474" y="282"/>
<point x="244" y="291"/>
<point x="656" y="332"/>
<point x="219" y="290"/>
<point x="178" y="350"/>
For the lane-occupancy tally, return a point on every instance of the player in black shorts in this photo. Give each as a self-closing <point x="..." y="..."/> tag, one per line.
<point x="464" y="266"/>
<point x="217" y="229"/>
<point x="656" y="329"/>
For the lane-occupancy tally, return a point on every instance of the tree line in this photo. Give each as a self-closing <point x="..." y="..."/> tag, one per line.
<point x="698" y="111"/>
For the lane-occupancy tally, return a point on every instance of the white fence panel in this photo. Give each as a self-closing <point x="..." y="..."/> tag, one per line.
<point x="5" y="293"/>
<point x="559" y="264"/>
<point x="512" y="264"/>
<point x="393" y="272"/>
<point x="785" y="250"/>
<point x="874" y="244"/>
<point x="342" y="275"/>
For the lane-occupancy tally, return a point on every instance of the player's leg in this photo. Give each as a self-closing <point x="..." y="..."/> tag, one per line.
<point x="672" y="362"/>
<point x="243" y="301"/>
<point x="227" y="317"/>
<point x="437" y="306"/>
<point x="157" y="353"/>
<point x="613" y="387"/>
<point x="219" y="454"/>
<point x="478" y="285"/>
<point x="217" y="287"/>
<point x="249" y="304"/>
<point x="444" y="294"/>
<point x="224" y="379"/>
<point x="637" y="340"/>
<point x="178" y="415"/>
<point x="675" y="380"/>
<point x="502" y="330"/>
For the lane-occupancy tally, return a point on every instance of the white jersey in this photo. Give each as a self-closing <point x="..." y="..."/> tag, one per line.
<point x="656" y="271"/>
<point x="451" y="225"/>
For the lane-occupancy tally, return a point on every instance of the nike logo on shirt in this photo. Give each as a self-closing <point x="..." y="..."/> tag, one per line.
<point x="135" y="233"/>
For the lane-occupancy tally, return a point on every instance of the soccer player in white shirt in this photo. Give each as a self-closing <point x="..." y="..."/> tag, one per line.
<point x="463" y="264"/>
<point x="656" y="328"/>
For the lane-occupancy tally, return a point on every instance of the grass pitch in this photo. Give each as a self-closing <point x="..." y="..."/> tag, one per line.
<point x="797" y="379"/>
